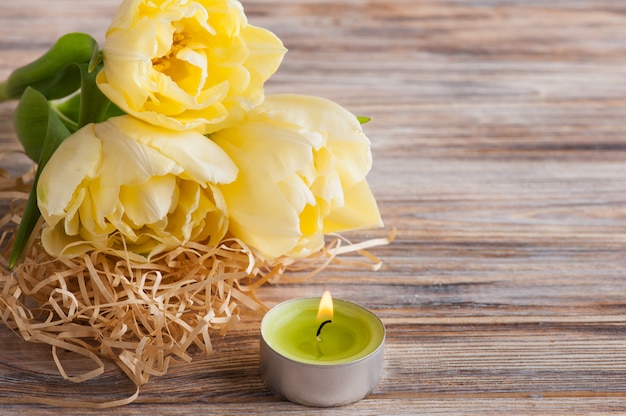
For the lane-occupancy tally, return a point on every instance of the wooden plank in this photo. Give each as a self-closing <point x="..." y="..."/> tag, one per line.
<point x="499" y="148"/>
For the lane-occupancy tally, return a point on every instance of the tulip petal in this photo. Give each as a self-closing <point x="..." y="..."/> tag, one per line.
<point x="344" y="160"/>
<point x="260" y="216"/>
<point x="341" y="129"/>
<point x="297" y="192"/>
<point x="75" y="159"/>
<point x="188" y="153"/>
<point x="355" y="156"/>
<point x="192" y="72"/>
<point x="270" y="146"/>
<point x="149" y="202"/>
<point x="266" y="51"/>
<point x="313" y="113"/>
<point x="127" y="161"/>
<point x="360" y="211"/>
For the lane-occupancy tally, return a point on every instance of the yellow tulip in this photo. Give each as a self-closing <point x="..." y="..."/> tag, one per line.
<point x="126" y="183"/>
<point x="192" y="64"/>
<point x="303" y="162"/>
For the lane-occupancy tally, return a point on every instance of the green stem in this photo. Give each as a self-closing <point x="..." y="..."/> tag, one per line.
<point x="4" y="95"/>
<point x="71" y="125"/>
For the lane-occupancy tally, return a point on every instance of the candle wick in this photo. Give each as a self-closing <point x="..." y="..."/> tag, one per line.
<point x="319" y="330"/>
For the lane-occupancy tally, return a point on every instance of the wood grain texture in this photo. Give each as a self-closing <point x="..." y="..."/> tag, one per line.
<point x="499" y="142"/>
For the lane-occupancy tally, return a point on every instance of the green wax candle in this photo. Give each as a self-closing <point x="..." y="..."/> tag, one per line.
<point x="291" y="329"/>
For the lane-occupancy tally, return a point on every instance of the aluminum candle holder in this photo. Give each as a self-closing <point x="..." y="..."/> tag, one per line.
<point x="321" y="359"/>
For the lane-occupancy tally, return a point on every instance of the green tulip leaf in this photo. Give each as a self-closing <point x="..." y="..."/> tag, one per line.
<point x="68" y="111"/>
<point x="27" y="225"/>
<point x="53" y="135"/>
<point x="364" y="120"/>
<point x="96" y="59"/>
<point x="113" y="111"/>
<point x="31" y="122"/>
<point x="89" y="106"/>
<point x="93" y="104"/>
<point x="31" y="116"/>
<point x="53" y="73"/>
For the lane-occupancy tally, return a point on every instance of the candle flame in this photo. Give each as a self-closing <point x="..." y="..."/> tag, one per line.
<point x="325" y="311"/>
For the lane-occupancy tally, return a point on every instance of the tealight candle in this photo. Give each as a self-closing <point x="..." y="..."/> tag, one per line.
<point x="320" y="352"/>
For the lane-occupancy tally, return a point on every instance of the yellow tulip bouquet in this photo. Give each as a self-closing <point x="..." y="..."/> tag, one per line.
<point x="167" y="186"/>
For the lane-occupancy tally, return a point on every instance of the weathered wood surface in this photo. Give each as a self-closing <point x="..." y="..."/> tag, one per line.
<point x="499" y="141"/>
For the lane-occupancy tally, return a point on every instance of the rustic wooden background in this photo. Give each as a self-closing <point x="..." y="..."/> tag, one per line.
<point x="499" y="142"/>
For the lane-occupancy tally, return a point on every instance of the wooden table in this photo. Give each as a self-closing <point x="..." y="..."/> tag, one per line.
<point x="499" y="142"/>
